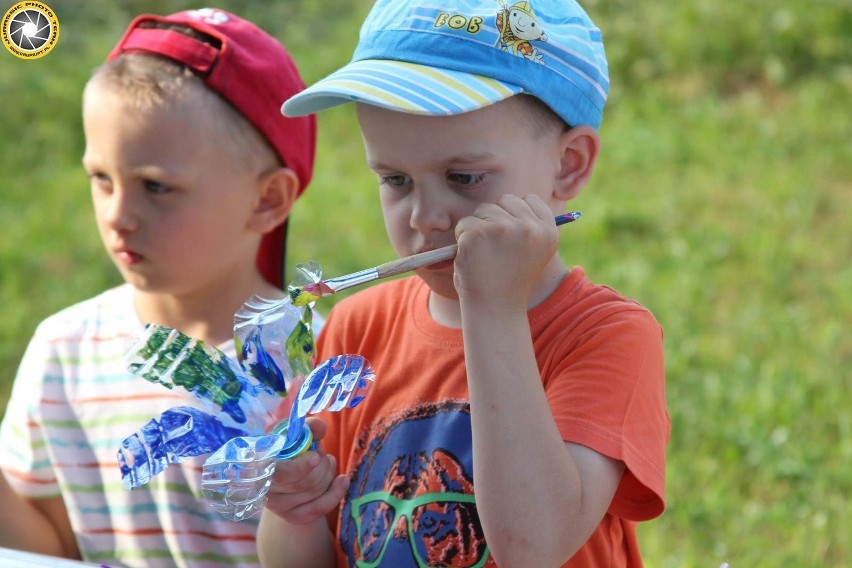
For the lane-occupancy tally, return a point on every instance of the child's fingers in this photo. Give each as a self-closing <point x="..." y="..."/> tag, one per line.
<point x="539" y="207"/>
<point x="517" y="207"/>
<point x="310" y="472"/>
<point x="322" y="505"/>
<point x="310" y="497"/>
<point x="530" y="207"/>
<point x="489" y="212"/>
<point x="506" y="208"/>
<point x="318" y="427"/>
<point x="509" y="209"/>
<point x="299" y="481"/>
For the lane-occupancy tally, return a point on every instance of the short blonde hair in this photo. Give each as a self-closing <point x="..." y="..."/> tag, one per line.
<point x="541" y="115"/>
<point x="145" y="82"/>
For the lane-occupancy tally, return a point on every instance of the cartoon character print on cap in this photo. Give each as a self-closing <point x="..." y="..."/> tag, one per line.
<point x="518" y="26"/>
<point x="411" y="499"/>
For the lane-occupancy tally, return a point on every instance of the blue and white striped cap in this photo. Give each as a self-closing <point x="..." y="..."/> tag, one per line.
<point x="424" y="57"/>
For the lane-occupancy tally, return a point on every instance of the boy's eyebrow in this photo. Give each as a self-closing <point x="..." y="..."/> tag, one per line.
<point x="471" y="157"/>
<point x="150" y="169"/>
<point x="162" y="172"/>
<point x="144" y="170"/>
<point x="458" y="159"/>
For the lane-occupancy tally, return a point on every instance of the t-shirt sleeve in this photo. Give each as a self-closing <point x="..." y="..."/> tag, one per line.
<point x="23" y="455"/>
<point x="608" y="393"/>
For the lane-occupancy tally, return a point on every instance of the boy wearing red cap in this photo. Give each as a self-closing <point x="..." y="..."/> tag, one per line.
<point x="518" y="416"/>
<point x="193" y="174"/>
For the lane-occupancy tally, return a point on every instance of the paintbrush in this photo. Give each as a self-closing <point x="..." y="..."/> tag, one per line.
<point x="303" y="295"/>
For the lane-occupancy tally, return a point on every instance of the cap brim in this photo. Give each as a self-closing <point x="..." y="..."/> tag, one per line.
<point x="401" y="86"/>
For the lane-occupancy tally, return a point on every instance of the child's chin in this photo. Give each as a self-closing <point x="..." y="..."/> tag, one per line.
<point x="440" y="284"/>
<point x="143" y="283"/>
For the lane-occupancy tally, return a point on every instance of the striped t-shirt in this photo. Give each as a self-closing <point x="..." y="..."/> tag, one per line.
<point x="72" y="404"/>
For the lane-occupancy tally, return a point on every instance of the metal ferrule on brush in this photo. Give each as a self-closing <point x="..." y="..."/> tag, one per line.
<point x="354" y="279"/>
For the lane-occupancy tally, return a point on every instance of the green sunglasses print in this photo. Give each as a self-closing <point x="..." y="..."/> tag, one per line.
<point x="433" y="519"/>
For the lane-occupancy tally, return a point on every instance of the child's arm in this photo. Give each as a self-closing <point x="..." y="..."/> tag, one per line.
<point x="538" y="501"/>
<point x="293" y="530"/>
<point x="37" y="525"/>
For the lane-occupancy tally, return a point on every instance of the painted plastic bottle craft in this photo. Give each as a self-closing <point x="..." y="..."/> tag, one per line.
<point x="236" y="477"/>
<point x="237" y="399"/>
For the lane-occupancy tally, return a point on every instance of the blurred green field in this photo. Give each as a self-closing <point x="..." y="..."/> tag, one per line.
<point x="722" y="201"/>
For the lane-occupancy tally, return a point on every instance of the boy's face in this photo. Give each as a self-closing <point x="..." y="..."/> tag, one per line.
<point x="171" y="206"/>
<point x="435" y="170"/>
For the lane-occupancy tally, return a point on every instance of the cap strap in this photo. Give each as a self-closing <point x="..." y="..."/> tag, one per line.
<point x="196" y="55"/>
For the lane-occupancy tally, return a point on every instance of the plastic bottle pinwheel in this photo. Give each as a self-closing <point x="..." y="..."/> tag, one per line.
<point x="237" y="398"/>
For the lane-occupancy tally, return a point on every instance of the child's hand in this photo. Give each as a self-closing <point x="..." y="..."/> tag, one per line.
<point x="307" y="487"/>
<point x="503" y="248"/>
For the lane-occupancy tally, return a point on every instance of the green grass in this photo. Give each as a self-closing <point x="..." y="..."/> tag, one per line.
<point x="721" y="201"/>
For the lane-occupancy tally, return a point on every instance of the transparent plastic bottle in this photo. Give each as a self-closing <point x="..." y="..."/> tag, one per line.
<point x="236" y="478"/>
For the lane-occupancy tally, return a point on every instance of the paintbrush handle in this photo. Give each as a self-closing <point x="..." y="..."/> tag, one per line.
<point x="422" y="259"/>
<point x="415" y="261"/>
<point x="409" y="263"/>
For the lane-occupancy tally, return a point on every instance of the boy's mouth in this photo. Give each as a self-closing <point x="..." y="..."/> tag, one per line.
<point x="127" y="257"/>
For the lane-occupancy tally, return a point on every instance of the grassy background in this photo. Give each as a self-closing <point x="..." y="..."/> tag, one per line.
<point x="722" y="201"/>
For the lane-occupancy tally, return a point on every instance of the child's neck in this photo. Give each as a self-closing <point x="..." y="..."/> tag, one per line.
<point x="205" y="314"/>
<point x="445" y="311"/>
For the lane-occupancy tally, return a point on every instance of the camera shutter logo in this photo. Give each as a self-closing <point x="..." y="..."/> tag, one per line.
<point x="30" y="30"/>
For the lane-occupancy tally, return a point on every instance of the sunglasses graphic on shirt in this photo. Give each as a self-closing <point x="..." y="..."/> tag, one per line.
<point x="435" y="521"/>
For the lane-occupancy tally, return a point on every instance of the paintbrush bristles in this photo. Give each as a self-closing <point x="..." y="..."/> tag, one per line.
<point x="304" y="295"/>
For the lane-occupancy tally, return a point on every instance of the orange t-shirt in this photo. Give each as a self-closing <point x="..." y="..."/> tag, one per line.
<point x="407" y="447"/>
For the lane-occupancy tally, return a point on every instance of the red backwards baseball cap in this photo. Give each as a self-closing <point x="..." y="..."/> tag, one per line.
<point x="253" y="72"/>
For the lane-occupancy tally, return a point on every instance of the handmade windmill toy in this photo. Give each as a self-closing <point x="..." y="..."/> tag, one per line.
<point x="235" y="423"/>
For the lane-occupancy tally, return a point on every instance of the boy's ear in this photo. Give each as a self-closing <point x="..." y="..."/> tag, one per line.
<point x="277" y="192"/>
<point x="579" y="148"/>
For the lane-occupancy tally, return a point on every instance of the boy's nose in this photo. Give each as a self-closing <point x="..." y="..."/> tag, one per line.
<point x="119" y="211"/>
<point x="429" y="213"/>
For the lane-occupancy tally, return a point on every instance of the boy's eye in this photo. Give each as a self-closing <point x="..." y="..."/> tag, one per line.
<point x="155" y="187"/>
<point x="395" y="180"/>
<point x="466" y="179"/>
<point x="99" y="179"/>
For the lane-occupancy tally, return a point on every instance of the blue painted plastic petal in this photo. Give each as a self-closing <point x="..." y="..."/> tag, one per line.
<point x="260" y="364"/>
<point x="337" y="383"/>
<point x="180" y="433"/>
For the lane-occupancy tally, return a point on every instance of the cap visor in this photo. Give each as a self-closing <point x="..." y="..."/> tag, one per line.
<point x="401" y="86"/>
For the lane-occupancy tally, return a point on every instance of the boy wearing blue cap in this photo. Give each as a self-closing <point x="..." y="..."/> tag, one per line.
<point x="518" y="417"/>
